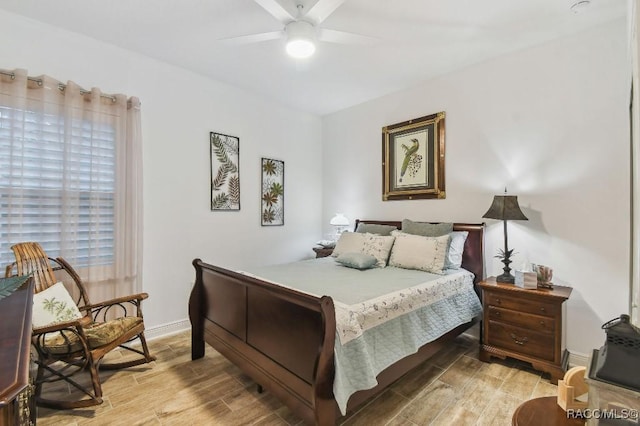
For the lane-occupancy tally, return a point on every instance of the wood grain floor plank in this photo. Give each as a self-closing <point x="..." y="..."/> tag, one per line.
<point x="271" y="420"/>
<point x="379" y="411"/>
<point x="500" y="410"/>
<point x="410" y="385"/>
<point x="456" y="415"/>
<point x="428" y="405"/>
<point x="520" y="384"/>
<point x="461" y="371"/>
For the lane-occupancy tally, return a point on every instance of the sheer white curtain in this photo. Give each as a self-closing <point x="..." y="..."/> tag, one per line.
<point x="71" y="178"/>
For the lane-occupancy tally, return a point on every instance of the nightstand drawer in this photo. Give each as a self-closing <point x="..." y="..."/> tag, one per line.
<point x="525" y="320"/>
<point x="522" y="340"/>
<point x="532" y="306"/>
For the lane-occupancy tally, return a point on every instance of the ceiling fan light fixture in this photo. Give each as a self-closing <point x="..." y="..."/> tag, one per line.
<point x="301" y="37"/>
<point x="300" y="48"/>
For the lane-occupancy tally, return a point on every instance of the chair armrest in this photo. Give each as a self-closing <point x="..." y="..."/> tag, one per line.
<point x="59" y="326"/>
<point x="134" y="297"/>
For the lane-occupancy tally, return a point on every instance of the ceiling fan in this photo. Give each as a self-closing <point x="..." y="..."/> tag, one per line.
<point x="303" y="31"/>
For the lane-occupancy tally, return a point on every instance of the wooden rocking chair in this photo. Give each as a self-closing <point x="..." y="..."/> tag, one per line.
<point x="65" y="348"/>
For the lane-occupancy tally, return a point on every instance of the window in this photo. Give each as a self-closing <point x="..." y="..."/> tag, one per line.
<point x="71" y="178"/>
<point x="57" y="179"/>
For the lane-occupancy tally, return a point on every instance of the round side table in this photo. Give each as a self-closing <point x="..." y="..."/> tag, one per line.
<point x="543" y="411"/>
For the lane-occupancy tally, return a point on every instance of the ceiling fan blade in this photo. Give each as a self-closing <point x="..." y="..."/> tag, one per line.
<point x="253" y="38"/>
<point x="276" y="10"/>
<point x="321" y="10"/>
<point x="333" y="36"/>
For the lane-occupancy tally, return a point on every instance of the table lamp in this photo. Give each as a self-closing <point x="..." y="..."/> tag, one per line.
<point x="340" y="222"/>
<point x="505" y="207"/>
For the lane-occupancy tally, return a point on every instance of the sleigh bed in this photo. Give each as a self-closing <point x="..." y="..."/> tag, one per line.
<point x="286" y="339"/>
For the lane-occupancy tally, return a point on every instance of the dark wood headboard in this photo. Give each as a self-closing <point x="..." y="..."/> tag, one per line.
<point x="473" y="255"/>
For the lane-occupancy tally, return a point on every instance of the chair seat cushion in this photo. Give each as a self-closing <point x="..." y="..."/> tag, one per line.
<point x="98" y="334"/>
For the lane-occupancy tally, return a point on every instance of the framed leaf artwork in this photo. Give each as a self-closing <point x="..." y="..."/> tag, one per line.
<point x="272" y="192"/>
<point x="225" y="172"/>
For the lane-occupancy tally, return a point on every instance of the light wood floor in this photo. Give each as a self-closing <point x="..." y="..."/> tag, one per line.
<point x="453" y="388"/>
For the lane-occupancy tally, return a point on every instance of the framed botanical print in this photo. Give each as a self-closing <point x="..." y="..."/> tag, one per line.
<point x="413" y="159"/>
<point x="225" y="171"/>
<point x="272" y="194"/>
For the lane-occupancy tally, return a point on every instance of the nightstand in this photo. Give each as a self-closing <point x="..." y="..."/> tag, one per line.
<point x="323" y="251"/>
<point x="525" y="324"/>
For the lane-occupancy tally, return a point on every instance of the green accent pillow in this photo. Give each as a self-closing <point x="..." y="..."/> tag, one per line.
<point x="426" y="229"/>
<point x="357" y="260"/>
<point x="374" y="228"/>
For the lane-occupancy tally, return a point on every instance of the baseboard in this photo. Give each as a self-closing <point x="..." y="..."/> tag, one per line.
<point x="578" y="359"/>
<point x="168" y="329"/>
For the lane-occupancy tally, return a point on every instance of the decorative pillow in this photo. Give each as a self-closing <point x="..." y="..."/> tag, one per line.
<point x="456" y="247"/>
<point x="374" y="228"/>
<point x="357" y="260"/>
<point x="53" y="305"/>
<point x="418" y="252"/>
<point x="426" y="229"/>
<point x="378" y="246"/>
<point x="349" y="242"/>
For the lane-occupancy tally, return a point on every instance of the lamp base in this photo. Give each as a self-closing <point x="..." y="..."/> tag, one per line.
<point x="506" y="278"/>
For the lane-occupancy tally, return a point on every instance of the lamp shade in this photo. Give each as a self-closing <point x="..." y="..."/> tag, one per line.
<point x="339" y="220"/>
<point x="505" y="207"/>
<point x="300" y="39"/>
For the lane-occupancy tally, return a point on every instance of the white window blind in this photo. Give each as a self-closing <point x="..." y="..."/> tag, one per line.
<point x="57" y="182"/>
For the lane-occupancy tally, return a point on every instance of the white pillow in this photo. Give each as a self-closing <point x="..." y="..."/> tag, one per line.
<point x="349" y="242"/>
<point x="456" y="247"/>
<point x="378" y="246"/>
<point x="53" y="305"/>
<point x="418" y="252"/>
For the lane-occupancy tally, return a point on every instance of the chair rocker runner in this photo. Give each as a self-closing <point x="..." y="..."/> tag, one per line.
<point x="77" y="342"/>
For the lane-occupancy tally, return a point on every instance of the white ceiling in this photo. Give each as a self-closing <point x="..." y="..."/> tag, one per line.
<point x="418" y="39"/>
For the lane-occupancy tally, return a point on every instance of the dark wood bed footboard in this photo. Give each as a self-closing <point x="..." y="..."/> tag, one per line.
<point x="281" y="338"/>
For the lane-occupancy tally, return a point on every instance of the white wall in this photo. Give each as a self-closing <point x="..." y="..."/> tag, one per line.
<point x="179" y="109"/>
<point x="551" y="123"/>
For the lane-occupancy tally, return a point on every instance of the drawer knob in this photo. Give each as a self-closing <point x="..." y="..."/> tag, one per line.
<point x="498" y="301"/>
<point x="542" y="323"/>
<point x="519" y="340"/>
<point x="496" y="313"/>
<point x="542" y="309"/>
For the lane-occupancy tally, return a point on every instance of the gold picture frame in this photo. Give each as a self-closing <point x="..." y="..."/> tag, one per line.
<point x="413" y="159"/>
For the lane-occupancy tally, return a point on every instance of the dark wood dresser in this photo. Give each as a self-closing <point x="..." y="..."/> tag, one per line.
<point x="16" y="402"/>
<point x="525" y="324"/>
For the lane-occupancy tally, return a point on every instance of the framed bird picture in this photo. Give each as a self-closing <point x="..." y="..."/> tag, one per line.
<point x="413" y="159"/>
